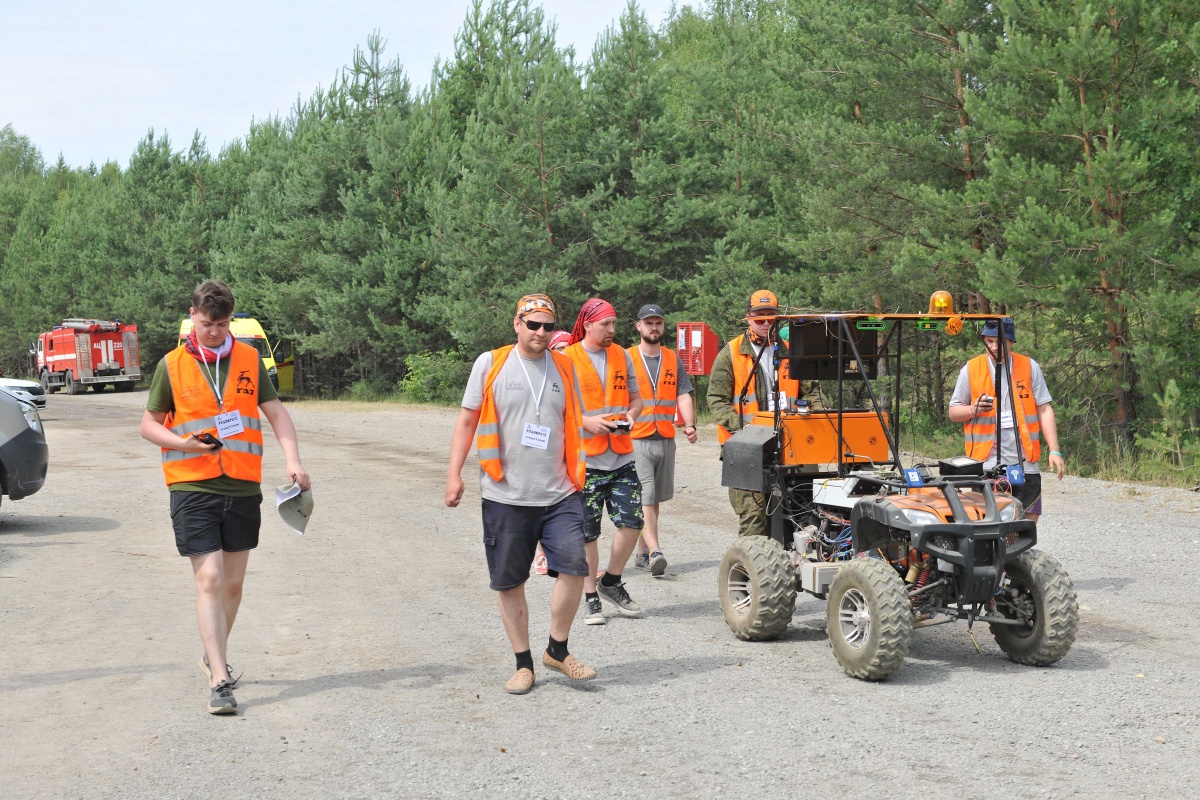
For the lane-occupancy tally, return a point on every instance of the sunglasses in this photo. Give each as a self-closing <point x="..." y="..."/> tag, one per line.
<point x="537" y="326"/>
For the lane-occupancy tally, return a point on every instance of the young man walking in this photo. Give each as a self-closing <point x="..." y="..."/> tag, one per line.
<point x="665" y="387"/>
<point x="611" y="404"/>
<point x="521" y="407"/>
<point x="974" y="404"/>
<point x="208" y="427"/>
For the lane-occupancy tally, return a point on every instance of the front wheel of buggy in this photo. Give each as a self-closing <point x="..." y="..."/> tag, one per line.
<point x="757" y="588"/>
<point x="869" y="618"/>
<point x="1038" y="594"/>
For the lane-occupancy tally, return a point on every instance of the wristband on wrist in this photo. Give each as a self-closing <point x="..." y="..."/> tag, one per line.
<point x="1056" y="453"/>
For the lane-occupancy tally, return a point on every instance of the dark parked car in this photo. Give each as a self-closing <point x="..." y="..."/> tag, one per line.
<point x="24" y="455"/>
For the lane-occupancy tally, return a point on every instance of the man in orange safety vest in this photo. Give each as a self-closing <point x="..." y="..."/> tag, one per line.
<point x="975" y="401"/>
<point x="203" y="412"/>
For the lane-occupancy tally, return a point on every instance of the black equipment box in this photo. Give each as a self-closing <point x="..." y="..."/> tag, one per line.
<point x="747" y="457"/>
<point x="960" y="465"/>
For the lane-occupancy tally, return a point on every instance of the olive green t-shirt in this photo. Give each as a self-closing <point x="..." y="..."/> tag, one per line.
<point x="162" y="400"/>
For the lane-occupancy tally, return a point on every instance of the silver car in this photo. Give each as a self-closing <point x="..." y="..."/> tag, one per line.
<point x="32" y="391"/>
<point x="24" y="455"/>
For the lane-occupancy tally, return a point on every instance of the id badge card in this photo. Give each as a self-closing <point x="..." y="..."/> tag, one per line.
<point x="229" y="424"/>
<point x="537" y="436"/>
<point x="776" y="401"/>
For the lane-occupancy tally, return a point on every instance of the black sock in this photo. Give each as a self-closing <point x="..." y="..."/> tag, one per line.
<point x="525" y="660"/>
<point x="556" y="649"/>
<point x="591" y="595"/>
<point x="610" y="580"/>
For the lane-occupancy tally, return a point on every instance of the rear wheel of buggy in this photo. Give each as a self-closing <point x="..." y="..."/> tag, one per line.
<point x="757" y="588"/>
<point x="1037" y="592"/>
<point x="869" y="618"/>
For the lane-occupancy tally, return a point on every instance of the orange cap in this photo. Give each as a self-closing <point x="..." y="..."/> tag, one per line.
<point x="763" y="299"/>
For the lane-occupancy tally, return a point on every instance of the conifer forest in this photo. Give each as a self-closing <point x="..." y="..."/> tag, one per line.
<point x="1039" y="158"/>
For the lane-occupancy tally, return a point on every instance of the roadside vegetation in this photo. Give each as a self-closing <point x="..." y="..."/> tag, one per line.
<point x="1034" y="157"/>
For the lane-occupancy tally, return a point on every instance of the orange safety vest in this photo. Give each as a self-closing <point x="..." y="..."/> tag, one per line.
<point x="743" y="370"/>
<point x="980" y="431"/>
<point x="610" y="397"/>
<point x="487" y="435"/>
<point x="196" y="410"/>
<point x="658" y="402"/>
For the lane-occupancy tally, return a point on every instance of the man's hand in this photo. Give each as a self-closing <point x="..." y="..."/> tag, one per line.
<point x="190" y="444"/>
<point x="454" y="490"/>
<point x="300" y="475"/>
<point x="1058" y="465"/>
<point x="597" y="425"/>
<point x="692" y="437"/>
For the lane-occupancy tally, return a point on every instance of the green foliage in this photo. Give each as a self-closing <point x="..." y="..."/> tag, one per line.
<point x="435" y="378"/>
<point x="1036" y="157"/>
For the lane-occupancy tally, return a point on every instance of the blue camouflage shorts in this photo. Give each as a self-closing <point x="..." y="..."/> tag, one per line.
<point x="621" y="490"/>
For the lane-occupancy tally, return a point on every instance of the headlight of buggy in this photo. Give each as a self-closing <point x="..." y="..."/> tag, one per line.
<point x="918" y="517"/>
<point x="1012" y="511"/>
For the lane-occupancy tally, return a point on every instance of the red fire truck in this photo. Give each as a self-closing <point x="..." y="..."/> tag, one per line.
<point x="88" y="352"/>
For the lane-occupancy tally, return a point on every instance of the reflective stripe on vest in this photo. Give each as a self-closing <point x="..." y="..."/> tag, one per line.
<point x="658" y="401"/>
<point x="979" y="432"/>
<point x="603" y="399"/>
<point x="196" y="409"/>
<point x="487" y="433"/>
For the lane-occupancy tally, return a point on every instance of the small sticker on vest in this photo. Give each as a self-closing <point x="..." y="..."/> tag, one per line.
<point x="536" y="436"/>
<point x="229" y="424"/>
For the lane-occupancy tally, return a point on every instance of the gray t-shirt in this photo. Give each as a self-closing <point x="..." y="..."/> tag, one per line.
<point x="532" y="477"/>
<point x="1008" y="432"/>
<point x="608" y="460"/>
<point x="653" y="366"/>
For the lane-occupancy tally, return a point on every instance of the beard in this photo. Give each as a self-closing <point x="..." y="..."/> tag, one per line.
<point x="652" y="338"/>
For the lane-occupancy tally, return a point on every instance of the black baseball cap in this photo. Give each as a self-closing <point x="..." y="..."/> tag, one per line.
<point x="651" y="310"/>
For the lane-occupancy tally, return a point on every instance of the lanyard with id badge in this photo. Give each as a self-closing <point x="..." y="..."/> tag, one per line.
<point x="228" y="424"/>
<point x="535" y="434"/>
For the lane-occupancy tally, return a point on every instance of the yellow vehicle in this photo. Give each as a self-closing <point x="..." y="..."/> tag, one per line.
<point x="279" y="360"/>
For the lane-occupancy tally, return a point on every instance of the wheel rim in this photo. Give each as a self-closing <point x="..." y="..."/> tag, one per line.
<point x="737" y="588"/>
<point x="854" y="618"/>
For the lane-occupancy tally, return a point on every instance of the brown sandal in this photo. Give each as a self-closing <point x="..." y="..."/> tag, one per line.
<point x="521" y="682"/>
<point x="572" y="667"/>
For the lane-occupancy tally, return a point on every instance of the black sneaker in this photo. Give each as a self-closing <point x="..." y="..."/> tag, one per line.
<point x="619" y="597"/>
<point x="207" y="670"/>
<point x="593" y="614"/>
<point x="222" y="700"/>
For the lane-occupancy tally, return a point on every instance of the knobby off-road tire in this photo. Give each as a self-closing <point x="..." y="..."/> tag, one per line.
<point x="1041" y="593"/>
<point x="757" y="588"/>
<point x="869" y="618"/>
<point x="73" y="387"/>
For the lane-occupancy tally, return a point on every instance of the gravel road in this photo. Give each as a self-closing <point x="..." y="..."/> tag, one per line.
<point x="374" y="657"/>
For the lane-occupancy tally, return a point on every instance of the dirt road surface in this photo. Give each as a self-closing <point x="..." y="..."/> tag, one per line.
<point x="374" y="657"/>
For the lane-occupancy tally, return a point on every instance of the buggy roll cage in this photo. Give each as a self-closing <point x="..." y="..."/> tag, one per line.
<point x="841" y="321"/>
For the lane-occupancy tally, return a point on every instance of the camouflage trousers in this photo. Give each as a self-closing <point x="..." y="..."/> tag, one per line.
<point x="751" y="508"/>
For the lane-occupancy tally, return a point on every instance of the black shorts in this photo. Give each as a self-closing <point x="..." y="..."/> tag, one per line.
<point x="206" y="522"/>
<point x="1030" y="493"/>
<point x="511" y="534"/>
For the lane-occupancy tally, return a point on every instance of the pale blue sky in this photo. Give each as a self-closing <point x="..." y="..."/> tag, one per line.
<point x="88" y="78"/>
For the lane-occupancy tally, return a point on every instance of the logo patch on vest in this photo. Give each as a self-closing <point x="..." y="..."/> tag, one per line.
<point x="669" y="377"/>
<point x="619" y="381"/>
<point x="245" y="384"/>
